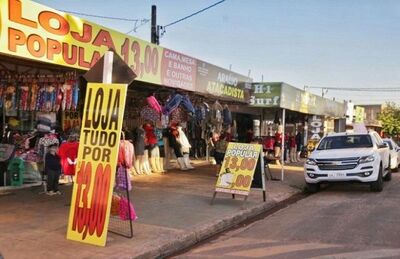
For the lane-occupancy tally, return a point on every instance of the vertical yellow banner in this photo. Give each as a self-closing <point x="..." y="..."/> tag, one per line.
<point x="238" y="168"/>
<point x="97" y="161"/>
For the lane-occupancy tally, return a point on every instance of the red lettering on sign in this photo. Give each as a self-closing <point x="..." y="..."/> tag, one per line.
<point x="53" y="47"/>
<point x="63" y="25"/>
<point x="15" y="14"/>
<point x="86" y="34"/>
<point x="15" y="37"/>
<point x="104" y="38"/>
<point x="90" y="220"/>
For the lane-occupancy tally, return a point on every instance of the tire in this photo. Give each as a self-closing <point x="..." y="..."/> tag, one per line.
<point x="377" y="186"/>
<point x="313" y="187"/>
<point x="388" y="176"/>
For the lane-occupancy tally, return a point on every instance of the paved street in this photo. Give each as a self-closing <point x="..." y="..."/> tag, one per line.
<point x="342" y="221"/>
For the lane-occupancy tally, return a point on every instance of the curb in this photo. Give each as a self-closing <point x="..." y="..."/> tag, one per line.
<point x="186" y="240"/>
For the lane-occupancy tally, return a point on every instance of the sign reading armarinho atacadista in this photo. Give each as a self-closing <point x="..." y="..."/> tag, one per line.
<point x="238" y="168"/>
<point x="97" y="160"/>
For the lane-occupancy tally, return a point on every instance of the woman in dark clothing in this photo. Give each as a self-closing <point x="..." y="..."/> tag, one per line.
<point x="53" y="170"/>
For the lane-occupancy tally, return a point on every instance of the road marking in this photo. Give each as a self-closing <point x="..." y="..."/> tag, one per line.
<point x="281" y="249"/>
<point x="230" y="242"/>
<point x="370" y="254"/>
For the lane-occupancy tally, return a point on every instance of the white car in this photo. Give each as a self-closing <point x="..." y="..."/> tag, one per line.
<point x="360" y="157"/>
<point x="394" y="154"/>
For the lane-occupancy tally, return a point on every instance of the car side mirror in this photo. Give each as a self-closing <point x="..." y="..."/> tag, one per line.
<point x="384" y="145"/>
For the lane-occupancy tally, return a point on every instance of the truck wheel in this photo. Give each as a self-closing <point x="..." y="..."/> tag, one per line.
<point x="313" y="187"/>
<point x="377" y="186"/>
<point x="388" y="176"/>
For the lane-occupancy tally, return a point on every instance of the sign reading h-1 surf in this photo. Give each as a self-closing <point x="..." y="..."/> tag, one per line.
<point x="97" y="160"/>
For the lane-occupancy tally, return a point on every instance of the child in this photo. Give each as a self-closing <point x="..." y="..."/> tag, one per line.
<point x="53" y="170"/>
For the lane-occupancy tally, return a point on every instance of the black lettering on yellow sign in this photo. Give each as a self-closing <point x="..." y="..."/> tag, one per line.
<point x="96" y="116"/>
<point x="101" y="114"/>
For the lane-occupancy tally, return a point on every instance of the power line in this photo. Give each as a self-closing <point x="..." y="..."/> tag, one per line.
<point x="104" y="17"/>
<point x="365" y="89"/>
<point x="190" y="15"/>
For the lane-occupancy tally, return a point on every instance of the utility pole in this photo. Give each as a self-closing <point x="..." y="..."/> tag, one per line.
<point x="155" y="30"/>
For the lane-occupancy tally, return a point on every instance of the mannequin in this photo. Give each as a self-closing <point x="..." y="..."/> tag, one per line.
<point x="173" y="136"/>
<point x="68" y="153"/>
<point x="152" y="148"/>
<point x="139" y="150"/>
<point x="185" y="147"/>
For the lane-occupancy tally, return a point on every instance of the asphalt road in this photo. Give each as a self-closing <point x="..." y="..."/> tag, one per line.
<point x="341" y="221"/>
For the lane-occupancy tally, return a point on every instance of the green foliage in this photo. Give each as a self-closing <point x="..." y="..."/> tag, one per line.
<point x="390" y="118"/>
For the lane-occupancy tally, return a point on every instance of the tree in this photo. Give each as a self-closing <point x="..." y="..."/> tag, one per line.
<point x="390" y="118"/>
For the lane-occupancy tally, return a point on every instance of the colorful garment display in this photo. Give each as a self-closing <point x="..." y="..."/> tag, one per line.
<point x="153" y="103"/>
<point x="149" y="114"/>
<point x="68" y="153"/>
<point x="126" y="154"/>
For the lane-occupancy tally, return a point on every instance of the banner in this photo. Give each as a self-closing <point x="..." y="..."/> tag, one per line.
<point x="266" y="95"/>
<point x="34" y="31"/>
<point x="238" y="168"/>
<point x="97" y="162"/>
<point x="222" y="83"/>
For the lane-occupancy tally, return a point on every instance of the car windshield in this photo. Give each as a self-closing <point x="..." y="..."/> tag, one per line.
<point x="389" y="143"/>
<point x="352" y="141"/>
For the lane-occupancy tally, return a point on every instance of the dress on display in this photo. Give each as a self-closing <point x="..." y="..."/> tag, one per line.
<point x="68" y="153"/>
<point x="139" y="141"/>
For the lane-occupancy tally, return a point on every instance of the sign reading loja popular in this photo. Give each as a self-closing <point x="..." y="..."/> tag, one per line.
<point x="54" y="34"/>
<point x="97" y="160"/>
<point x="33" y="31"/>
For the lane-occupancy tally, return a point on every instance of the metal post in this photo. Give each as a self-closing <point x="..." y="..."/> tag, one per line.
<point x="154" y="24"/>
<point x="283" y="145"/>
<point x="108" y="67"/>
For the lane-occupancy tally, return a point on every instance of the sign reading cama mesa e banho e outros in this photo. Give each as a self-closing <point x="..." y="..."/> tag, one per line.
<point x="237" y="170"/>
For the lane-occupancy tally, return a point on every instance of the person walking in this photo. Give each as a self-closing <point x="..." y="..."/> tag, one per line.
<point x="53" y="170"/>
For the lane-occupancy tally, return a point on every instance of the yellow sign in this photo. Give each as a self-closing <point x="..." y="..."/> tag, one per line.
<point x="238" y="168"/>
<point x="34" y="31"/>
<point x="97" y="161"/>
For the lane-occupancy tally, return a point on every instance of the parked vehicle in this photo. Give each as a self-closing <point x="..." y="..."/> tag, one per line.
<point x="394" y="154"/>
<point x="360" y="157"/>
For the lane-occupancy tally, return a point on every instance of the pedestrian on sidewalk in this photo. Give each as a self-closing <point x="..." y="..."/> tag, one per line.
<point x="220" y="148"/>
<point x="53" y="170"/>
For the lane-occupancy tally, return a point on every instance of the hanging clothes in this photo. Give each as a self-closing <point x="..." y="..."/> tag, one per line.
<point x="187" y="104"/>
<point x="185" y="145"/>
<point x="154" y="104"/>
<point x="126" y="154"/>
<point x="172" y="104"/>
<point x="149" y="114"/>
<point x="139" y="141"/>
<point x="68" y="153"/>
<point x="227" y="115"/>
<point x="75" y="96"/>
<point x="45" y="142"/>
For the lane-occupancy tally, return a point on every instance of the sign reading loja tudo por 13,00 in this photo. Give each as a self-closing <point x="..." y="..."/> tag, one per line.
<point x="34" y="31"/>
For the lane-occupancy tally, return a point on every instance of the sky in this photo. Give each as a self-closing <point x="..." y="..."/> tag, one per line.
<point x="323" y="43"/>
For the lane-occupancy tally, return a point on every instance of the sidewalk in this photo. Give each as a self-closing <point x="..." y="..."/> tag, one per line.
<point x="174" y="212"/>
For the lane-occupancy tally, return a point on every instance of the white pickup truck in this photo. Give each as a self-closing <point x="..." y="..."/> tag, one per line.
<point x="360" y="157"/>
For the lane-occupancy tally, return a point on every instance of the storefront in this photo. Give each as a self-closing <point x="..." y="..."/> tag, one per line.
<point x="293" y="118"/>
<point x="45" y="52"/>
